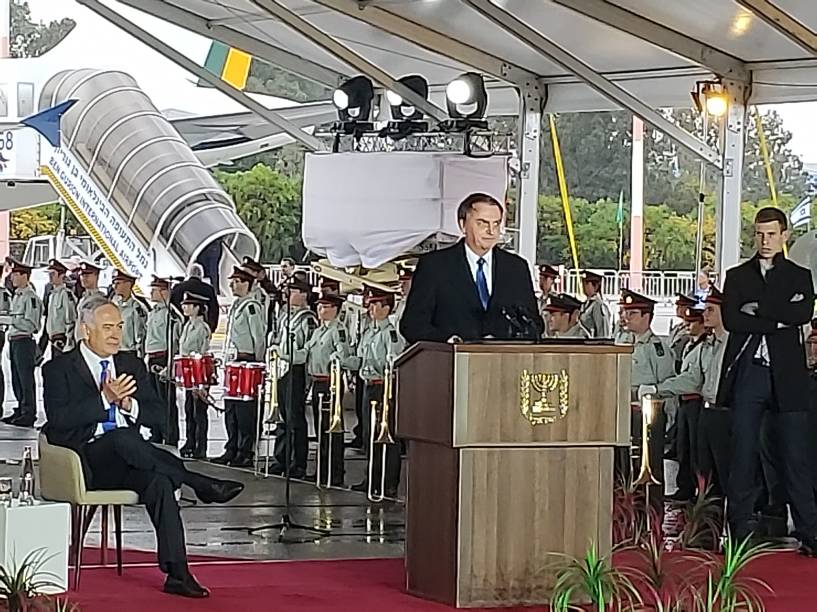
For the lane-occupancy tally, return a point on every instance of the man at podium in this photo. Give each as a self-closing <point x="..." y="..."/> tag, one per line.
<point x="472" y="290"/>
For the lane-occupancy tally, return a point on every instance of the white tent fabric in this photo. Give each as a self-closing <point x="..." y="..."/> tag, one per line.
<point x="400" y="198"/>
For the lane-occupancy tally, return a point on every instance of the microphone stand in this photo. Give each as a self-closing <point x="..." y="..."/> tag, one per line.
<point x="286" y="524"/>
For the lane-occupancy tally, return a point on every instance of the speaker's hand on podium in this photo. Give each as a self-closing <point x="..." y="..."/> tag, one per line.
<point x="644" y="390"/>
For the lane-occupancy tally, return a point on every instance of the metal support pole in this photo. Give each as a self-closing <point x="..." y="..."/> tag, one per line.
<point x="309" y="141"/>
<point x="532" y="97"/>
<point x="733" y="144"/>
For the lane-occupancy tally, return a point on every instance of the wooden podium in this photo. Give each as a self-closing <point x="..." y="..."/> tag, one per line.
<point x="510" y="459"/>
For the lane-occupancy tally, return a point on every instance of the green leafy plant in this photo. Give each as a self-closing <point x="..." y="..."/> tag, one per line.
<point x="702" y="519"/>
<point x="734" y="590"/>
<point x="593" y="577"/>
<point x="21" y="583"/>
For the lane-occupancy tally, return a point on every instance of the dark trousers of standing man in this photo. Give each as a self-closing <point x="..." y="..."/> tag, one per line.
<point x="168" y="432"/>
<point x="714" y="447"/>
<point x="357" y="430"/>
<point x="374" y="392"/>
<point x="23" y="353"/>
<point x="241" y="421"/>
<point x="753" y="400"/>
<point x="686" y="442"/>
<point x="320" y="390"/>
<point x="291" y="435"/>
<point x="122" y="459"/>
<point x="196" y="425"/>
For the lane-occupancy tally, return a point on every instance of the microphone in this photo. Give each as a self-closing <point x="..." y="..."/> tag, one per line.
<point x="530" y="330"/>
<point x="515" y="329"/>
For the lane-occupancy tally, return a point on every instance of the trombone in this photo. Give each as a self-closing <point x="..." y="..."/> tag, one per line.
<point x="646" y="478"/>
<point x="268" y="410"/>
<point x="384" y="437"/>
<point x="335" y="422"/>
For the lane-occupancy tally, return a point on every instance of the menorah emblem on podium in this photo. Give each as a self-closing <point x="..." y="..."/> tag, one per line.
<point x="553" y="400"/>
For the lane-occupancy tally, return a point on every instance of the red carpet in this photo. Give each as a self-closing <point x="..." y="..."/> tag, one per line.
<point x="351" y="586"/>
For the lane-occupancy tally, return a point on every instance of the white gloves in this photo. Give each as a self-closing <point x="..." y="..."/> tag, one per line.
<point x="644" y="390"/>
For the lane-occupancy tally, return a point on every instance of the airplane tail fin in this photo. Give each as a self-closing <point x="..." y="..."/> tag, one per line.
<point x="229" y="64"/>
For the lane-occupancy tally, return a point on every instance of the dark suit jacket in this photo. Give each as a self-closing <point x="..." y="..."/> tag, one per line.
<point x="196" y="285"/>
<point x="777" y="297"/>
<point x="74" y="408"/>
<point x="444" y="301"/>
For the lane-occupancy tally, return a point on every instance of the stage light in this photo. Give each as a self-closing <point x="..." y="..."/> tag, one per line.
<point x="467" y="101"/>
<point x="405" y="111"/>
<point x="353" y="99"/>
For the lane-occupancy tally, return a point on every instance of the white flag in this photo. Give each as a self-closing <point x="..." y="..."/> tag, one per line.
<point x="801" y="213"/>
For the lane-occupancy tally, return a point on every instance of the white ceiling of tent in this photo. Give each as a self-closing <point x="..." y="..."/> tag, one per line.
<point x="781" y="69"/>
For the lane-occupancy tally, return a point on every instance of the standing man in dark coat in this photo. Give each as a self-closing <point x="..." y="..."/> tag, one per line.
<point x="472" y="290"/>
<point x="766" y="301"/>
<point x="194" y="283"/>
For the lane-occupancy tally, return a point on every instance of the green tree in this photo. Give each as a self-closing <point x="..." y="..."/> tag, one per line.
<point x="267" y="79"/>
<point x="41" y="220"/>
<point x="30" y="39"/>
<point x="270" y="205"/>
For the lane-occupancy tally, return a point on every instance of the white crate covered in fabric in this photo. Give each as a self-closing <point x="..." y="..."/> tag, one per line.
<point x="368" y="208"/>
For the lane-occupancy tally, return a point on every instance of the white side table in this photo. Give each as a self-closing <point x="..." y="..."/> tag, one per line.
<point x="45" y="526"/>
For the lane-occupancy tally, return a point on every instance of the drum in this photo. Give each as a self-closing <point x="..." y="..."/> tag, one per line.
<point x="183" y="372"/>
<point x="203" y="370"/>
<point x="242" y="380"/>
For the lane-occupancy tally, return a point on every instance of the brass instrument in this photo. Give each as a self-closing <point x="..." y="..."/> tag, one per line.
<point x="269" y="412"/>
<point x="335" y="421"/>
<point x="646" y="477"/>
<point x="384" y="437"/>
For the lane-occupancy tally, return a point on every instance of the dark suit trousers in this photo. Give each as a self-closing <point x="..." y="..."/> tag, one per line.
<point x="713" y="448"/>
<point x="121" y="459"/>
<point x="292" y="398"/>
<point x="687" y="446"/>
<point x="322" y="421"/>
<point x="753" y="399"/>
<point x="168" y="433"/>
<point x="23" y="354"/>
<point x="393" y="461"/>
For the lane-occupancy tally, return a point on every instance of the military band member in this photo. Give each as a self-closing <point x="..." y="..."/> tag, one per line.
<point x="195" y="340"/>
<point x="134" y="317"/>
<point x="562" y="317"/>
<point x="701" y="374"/>
<point x="294" y="330"/>
<point x="652" y="363"/>
<point x="547" y="276"/>
<point x="61" y="315"/>
<point x="25" y="319"/>
<point x="678" y="331"/>
<point x="246" y="341"/>
<point x="621" y="335"/>
<point x="89" y="281"/>
<point x="378" y="348"/>
<point x="161" y="339"/>
<point x="266" y="291"/>
<point x="5" y="312"/>
<point x="595" y="315"/>
<point x="327" y="344"/>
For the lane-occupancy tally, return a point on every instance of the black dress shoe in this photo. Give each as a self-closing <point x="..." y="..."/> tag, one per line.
<point x="242" y="461"/>
<point x="297" y="473"/>
<point x="224" y="459"/>
<point x="23" y="421"/>
<point x="199" y="454"/>
<point x="13" y="416"/>
<point x="276" y="469"/>
<point x="185" y="587"/>
<point x="218" y="491"/>
<point x="808" y="547"/>
<point x="362" y="487"/>
<point x="186" y="452"/>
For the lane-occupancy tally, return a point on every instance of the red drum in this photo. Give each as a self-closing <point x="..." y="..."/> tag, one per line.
<point x="242" y="380"/>
<point x="194" y="371"/>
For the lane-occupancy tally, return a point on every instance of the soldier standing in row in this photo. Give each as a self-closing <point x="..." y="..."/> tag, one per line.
<point x="89" y="281"/>
<point x="195" y="340"/>
<point x="26" y="315"/>
<point x="652" y="363"/>
<point x="5" y="312"/>
<point x="547" y="276"/>
<point x="562" y="317"/>
<point x="161" y="339"/>
<point x="246" y="341"/>
<point x="595" y="315"/>
<point x="134" y="317"/>
<point x="328" y="343"/>
<point x="679" y="331"/>
<point x="61" y="315"/>
<point x="378" y="348"/>
<point x="295" y="329"/>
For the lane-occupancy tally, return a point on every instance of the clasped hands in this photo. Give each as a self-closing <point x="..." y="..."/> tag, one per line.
<point x="119" y="390"/>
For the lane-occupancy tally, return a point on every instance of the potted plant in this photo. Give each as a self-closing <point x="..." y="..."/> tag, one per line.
<point x="22" y="586"/>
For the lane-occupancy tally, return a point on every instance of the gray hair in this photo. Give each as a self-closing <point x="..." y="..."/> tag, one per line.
<point x="196" y="270"/>
<point x="87" y="313"/>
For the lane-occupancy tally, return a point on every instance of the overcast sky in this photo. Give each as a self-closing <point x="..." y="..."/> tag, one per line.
<point x="798" y="117"/>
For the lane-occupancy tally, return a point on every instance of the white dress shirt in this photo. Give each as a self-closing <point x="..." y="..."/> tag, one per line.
<point x="94" y="363"/>
<point x="762" y="352"/>
<point x="487" y="267"/>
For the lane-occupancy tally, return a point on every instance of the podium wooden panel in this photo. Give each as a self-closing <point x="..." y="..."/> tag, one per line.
<point x="490" y="495"/>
